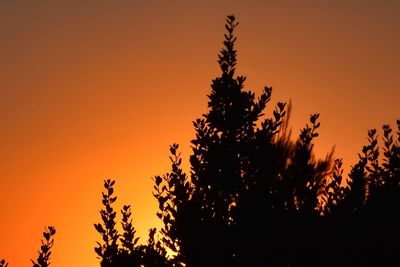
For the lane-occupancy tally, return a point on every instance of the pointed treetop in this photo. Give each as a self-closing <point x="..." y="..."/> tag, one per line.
<point x="227" y="56"/>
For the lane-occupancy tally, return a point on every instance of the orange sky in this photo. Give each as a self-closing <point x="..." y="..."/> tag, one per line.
<point x="91" y="90"/>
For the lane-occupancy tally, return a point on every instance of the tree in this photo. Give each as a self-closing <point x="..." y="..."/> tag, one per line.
<point x="257" y="197"/>
<point x="251" y="190"/>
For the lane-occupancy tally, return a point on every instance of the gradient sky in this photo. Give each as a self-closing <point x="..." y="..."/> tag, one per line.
<point x="91" y="90"/>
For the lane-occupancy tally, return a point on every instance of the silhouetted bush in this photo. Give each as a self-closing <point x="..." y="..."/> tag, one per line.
<point x="108" y="251"/>
<point x="120" y="250"/>
<point x="365" y="222"/>
<point x="255" y="197"/>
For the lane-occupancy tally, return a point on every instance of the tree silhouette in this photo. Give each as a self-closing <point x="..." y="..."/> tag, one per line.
<point x="257" y="197"/>
<point x="43" y="259"/>
<point x="252" y="193"/>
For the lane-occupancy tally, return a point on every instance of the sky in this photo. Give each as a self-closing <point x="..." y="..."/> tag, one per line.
<point x="91" y="90"/>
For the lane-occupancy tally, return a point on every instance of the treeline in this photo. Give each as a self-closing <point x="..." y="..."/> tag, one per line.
<point x="257" y="197"/>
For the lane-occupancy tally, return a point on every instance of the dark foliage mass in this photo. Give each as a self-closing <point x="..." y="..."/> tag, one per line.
<point x="257" y="197"/>
<point x="121" y="249"/>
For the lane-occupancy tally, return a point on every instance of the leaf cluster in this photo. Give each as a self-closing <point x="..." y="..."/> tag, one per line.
<point x="43" y="259"/>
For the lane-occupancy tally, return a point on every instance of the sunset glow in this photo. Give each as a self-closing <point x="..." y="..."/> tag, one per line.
<point x="91" y="90"/>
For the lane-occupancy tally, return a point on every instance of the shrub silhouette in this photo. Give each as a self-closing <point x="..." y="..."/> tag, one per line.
<point x="252" y="192"/>
<point x="365" y="222"/>
<point x="119" y="250"/>
<point x="255" y="197"/>
<point x="43" y="259"/>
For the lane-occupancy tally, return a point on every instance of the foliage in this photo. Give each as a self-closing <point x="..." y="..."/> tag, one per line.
<point x="365" y="221"/>
<point x="109" y="234"/>
<point x="128" y="239"/>
<point x="119" y="250"/>
<point x="255" y="197"/>
<point x="154" y="254"/>
<point x="43" y="259"/>
<point x="247" y="182"/>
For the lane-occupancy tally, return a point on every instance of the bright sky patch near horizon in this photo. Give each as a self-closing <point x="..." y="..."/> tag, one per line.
<point x="91" y="90"/>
